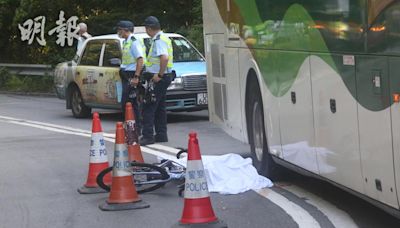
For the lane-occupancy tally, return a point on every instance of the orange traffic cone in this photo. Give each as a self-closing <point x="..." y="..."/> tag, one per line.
<point x="197" y="209"/>
<point x="123" y="195"/>
<point x="98" y="159"/>
<point x="131" y="135"/>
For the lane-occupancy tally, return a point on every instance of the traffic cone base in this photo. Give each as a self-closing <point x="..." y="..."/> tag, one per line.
<point x="106" y="206"/>
<point x="123" y="191"/>
<point x="90" y="190"/>
<point x="91" y="186"/>
<point x="216" y="224"/>
<point x="94" y="170"/>
<point x="198" y="211"/>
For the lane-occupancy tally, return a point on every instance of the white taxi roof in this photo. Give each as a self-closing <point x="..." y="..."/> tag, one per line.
<point x="141" y="35"/>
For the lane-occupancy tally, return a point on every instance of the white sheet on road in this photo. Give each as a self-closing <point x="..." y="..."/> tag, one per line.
<point x="231" y="174"/>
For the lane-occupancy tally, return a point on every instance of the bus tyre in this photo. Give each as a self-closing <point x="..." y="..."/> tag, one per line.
<point x="79" y="109"/>
<point x="262" y="159"/>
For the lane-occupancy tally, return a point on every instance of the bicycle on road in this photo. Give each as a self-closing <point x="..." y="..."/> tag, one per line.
<point x="149" y="177"/>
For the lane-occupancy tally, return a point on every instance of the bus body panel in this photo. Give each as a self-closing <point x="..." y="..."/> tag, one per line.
<point x="213" y="22"/>
<point x="233" y="93"/>
<point x="375" y="129"/>
<point x="296" y="117"/>
<point x="214" y="82"/>
<point x="336" y="133"/>
<point x="394" y="69"/>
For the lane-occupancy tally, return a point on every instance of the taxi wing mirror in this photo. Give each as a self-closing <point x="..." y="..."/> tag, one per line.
<point x="173" y="75"/>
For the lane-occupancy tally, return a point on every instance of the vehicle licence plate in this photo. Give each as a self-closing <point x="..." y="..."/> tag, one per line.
<point x="202" y="99"/>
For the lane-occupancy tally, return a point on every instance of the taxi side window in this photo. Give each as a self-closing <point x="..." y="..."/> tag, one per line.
<point x="91" y="54"/>
<point x="183" y="51"/>
<point x="112" y="54"/>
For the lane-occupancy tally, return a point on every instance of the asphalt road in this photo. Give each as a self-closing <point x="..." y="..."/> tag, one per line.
<point x="44" y="159"/>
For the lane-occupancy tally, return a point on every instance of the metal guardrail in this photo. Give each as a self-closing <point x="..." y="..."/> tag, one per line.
<point x="29" y="69"/>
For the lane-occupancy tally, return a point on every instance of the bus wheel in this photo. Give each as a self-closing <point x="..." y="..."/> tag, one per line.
<point x="79" y="109"/>
<point x="262" y="159"/>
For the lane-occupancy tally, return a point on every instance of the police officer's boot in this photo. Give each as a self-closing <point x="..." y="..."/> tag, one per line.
<point x="161" y="138"/>
<point x="146" y="141"/>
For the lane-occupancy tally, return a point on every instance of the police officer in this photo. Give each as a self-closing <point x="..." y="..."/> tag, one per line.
<point x="133" y="58"/>
<point x="158" y="69"/>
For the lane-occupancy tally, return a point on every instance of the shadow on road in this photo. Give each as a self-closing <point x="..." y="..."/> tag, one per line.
<point x="112" y="116"/>
<point x="179" y="117"/>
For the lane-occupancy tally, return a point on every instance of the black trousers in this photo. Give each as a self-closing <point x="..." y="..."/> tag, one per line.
<point x="155" y="114"/>
<point x="130" y="94"/>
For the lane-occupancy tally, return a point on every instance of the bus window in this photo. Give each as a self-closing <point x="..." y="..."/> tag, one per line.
<point x="339" y="22"/>
<point x="384" y="32"/>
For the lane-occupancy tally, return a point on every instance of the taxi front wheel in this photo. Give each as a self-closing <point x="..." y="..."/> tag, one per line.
<point x="79" y="109"/>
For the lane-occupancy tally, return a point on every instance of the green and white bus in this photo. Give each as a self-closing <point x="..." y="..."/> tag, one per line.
<point x="313" y="85"/>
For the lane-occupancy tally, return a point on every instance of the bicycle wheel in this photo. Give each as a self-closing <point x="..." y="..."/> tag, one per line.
<point x="100" y="176"/>
<point x="147" y="177"/>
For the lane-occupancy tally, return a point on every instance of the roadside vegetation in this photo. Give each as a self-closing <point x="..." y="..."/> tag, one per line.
<point x="179" y="16"/>
<point x="25" y="84"/>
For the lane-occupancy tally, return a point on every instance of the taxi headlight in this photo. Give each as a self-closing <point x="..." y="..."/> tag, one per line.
<point x="177" y="83"/>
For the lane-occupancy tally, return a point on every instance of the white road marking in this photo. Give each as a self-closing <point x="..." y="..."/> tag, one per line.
<point x="54" y="126"/>
<point x="10" y="103"/>
<point x="109" y="135"/>
<point x="46" y="128"/>
<point x="298" y="214"/>
<point x="338" y="217"/>
<point x="167" y="149"/>
<point x="78" y="132"/>
<point x="158" y="153"/>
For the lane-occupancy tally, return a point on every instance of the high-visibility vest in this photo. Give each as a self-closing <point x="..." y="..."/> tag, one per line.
<point x="152" y="60"/>
<point x="127" y="57"/>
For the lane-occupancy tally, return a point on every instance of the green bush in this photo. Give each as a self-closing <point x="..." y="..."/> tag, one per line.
<point x="4" y="75"/>
<point x="14" y="83"/>
<point x="20" y="83"/>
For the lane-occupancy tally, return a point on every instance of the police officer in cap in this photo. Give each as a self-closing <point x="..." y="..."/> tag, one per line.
<point x="158" y="69"/>
<point x="133" y="58"/>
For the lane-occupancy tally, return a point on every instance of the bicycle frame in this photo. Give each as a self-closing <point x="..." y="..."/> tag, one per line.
<point x="174" y="170"/>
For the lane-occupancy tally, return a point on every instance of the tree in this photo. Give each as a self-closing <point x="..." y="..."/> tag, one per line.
<point x="100" y="16"/>
<point x="7" y="11"/>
